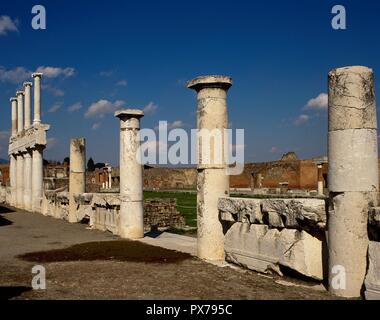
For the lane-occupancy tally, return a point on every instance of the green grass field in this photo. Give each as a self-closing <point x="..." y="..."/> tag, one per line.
<point x="186" y="203"/>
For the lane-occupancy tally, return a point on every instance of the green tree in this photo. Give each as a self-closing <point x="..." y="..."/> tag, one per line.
<point x="90" y="165"/>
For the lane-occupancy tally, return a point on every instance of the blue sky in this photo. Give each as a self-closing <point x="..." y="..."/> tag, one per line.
<point x="140" y="53"/>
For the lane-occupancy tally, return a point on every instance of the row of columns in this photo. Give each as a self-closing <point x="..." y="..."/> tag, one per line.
<point x="26" y="166"/>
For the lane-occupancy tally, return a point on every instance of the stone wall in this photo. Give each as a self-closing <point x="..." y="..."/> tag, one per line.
<point x="372" y="281"/>
<point x="101" y="210"/>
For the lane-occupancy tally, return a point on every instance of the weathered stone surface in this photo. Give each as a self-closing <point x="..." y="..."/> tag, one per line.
<point x="374" y="224"/>
<point x="372" y="280"/>
<point x="241" y="208"/>
<point x="262" y="249"/>
<point x="308" y="214"/>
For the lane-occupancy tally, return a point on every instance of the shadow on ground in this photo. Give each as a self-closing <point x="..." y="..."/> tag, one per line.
<point x="121" y="250"/>
<point x="7" y="293"/>
<point x="4" y="221"/>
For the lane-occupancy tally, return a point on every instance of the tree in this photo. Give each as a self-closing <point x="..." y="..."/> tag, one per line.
<point x="66" y="160"/>
<point x="90" y="165"/>
<point x="100" y="165"/>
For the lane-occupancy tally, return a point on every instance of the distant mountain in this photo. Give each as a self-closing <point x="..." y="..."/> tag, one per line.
<point x="4" y="161"/>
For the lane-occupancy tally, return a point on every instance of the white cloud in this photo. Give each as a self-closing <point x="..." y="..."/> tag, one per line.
<point x="51" y="143"/>
<point x="102" y="107"/>
<point x="55" y="107"/>
<point x="95" y="126"/>
<point x="302" y="119"/>
<point x="7" y="25"/>
<point x="54" y="91"/>
<point x="274" y="150"/>
<point x="106" y="73"/>
<point x="122" y="83"/>
<point x="74" y="107"/>
<point x="54" y="72"/>
<point x="16" y="75"/>
<point x="172" y="125"/>
<point x="150" y="108"/>
<point x="318" y="103"/>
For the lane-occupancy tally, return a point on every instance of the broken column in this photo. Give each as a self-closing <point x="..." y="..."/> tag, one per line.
<point x="131" y="187"/>
<point x="353" y="175"/>
<point x="213" y="181"/>
<point x="77" y="182"/>
<point x="320" y="180"/>
<point x="37" y="97"/>
<point x="27" y="87"/>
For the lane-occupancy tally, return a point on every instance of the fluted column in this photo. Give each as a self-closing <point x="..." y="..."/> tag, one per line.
<point x="37" y="97"/>
<point x="28" y="180"/>
<point x="27" y="88"/>
<point x="20" y="111"/>
<point x="213" y="181"/>
<point x="77" y="174"/>
<point x="131" y="186"/>
<point x="14" y="115"/>
<point x="37" y="178"/>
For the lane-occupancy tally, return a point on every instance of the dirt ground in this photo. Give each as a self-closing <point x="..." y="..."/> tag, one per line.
<point x="89" y="264"/>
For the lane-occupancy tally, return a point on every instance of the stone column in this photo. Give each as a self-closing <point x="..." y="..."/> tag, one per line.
<point x="14" y="115"/>
<point x="37" y="97"/>
<point x="213" y="181"/>
<point x="13" y="177"/>
<point x="27" y="88"/>
<point x="109" y="178"/>
<point x="353" y="175"/>
<point x="20" y="111"/>
<point x="77" y="174"/>
<point x="320" y="180"/>
<point x="37" y="178"/>
<point x="20" y="181"/>
<point x="28" y="180"/>
<point x="131" y="186"/>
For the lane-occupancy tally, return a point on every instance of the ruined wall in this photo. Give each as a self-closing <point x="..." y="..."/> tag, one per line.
<point x="170" y="178"/>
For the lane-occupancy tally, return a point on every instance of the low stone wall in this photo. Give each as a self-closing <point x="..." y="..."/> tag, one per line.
<point x="101" y="210"/>
<point x="268" y="234"/>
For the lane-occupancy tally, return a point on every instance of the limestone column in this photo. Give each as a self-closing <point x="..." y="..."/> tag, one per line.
<point x="353" y="175"/>
<point x="77" y="180"/>
<point x="27" y="88"/>
<point x="13" y="177"/>
<point x="14" y="115"/>
<point x="20" y="181"/>
<point x="20" y="111"/>
<point x="37" y="178"/>
<point x="320" y="180"/>
<point x="37" y="97"/>
<point x="28" y="180"/>
<point x="131" y="186"/>
<point x="213" y="181"/>
<point x="109" y="178"/>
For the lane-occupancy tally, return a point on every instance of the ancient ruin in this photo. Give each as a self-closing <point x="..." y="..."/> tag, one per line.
<point x="329" y="235"/>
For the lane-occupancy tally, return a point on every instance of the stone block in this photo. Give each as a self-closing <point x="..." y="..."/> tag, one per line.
<point x="372" y="280"/>
<point x="259" y="248"/>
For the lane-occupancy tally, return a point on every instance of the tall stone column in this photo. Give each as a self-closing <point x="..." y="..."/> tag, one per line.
<point x="14" y="115"/>
<point x="213" y="181"/>
<point x="20" y="111"/>
<point x="37" y="178"/>
<point x="77" y="174"/>
<point x="37" y="97"/>
<point x="109" y="178"/>
<point x="27" y="88"/>
<point x="353" y="175"/>
<point x="13" y="177"/>
<point x="131" y="186"/>
<point x="28" y="180"/>
<point x="20" y="181"/>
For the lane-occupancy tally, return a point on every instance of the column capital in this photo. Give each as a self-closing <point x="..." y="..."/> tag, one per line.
<point x="129" y="113"/>
<point x="214" y="81"/>
<point x="13" y="99"/>
<point x="37" y="74"/>
<point x="19" y="92"/>
<point x="27" y="83"/>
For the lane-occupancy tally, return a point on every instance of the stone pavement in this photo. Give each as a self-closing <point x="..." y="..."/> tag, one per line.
<point x="90" y="264"/>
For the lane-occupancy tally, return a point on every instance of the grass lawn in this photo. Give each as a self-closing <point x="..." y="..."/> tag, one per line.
<point x="186" y="203"/>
